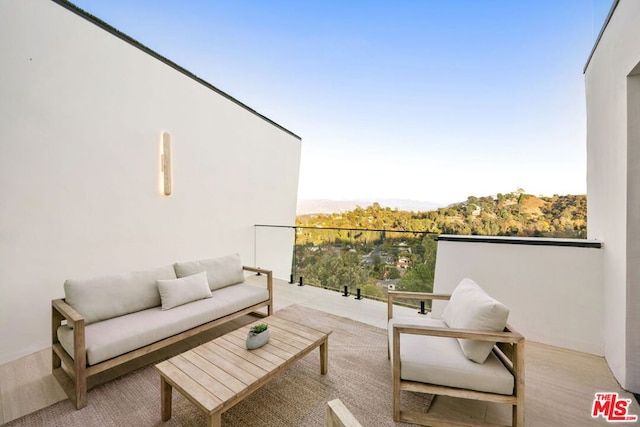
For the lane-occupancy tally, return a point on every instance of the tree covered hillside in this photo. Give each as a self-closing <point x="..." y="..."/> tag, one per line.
<point x="510" y="214"/>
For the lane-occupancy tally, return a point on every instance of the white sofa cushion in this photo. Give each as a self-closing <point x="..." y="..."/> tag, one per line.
<point x="102" y="298"/>
<point x="438" y="360"/>
<point x="175" y="292"/>
<point x="472" y="308"/>
<point x="110" y="338"/>
<point x="221" y="272"/>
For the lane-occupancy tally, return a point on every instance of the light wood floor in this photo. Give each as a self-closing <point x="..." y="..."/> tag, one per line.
<point x="560" y="384"/>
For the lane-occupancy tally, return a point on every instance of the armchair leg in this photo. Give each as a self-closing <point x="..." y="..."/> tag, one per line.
<point x="518" y="415"/>
<point x="396" y="406"/>
<point x="395" y="366"/>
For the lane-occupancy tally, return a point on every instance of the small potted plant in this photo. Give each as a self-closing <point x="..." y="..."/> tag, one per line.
<point x="258" y="336"/>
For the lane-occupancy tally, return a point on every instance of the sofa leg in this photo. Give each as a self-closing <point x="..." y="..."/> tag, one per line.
<point x="56" y="362"/>
<point x="76" y="391"/>
<point x="81" y="393"/>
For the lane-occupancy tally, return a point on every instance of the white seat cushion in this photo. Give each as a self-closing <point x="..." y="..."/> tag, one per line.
<point x="470" y="307"/>
<point x="440" y="361"/>
<point x="110" y="338"/>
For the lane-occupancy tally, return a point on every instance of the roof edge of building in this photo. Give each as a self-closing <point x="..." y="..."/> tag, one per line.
<point x="114" y="31"/>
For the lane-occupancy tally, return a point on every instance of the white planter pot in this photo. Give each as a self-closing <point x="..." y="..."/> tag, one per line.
<point x="257" y="340"/>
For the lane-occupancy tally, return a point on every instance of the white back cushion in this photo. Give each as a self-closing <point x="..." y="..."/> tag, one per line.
<point x="470" y="307"/>
<point x="221" y="272"/>
<point x="102" y="298"/>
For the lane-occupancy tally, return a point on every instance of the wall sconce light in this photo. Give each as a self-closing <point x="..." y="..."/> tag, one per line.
<point x="166" y="163"/>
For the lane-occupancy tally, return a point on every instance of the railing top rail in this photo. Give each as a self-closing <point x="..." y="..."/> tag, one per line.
<point x="516" y="240"/>
<point x="344" y="229"/>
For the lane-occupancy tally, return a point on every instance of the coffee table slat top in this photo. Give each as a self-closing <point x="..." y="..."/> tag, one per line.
<point x="228" y="380"/>
<point x="201" y="396"/>
<point x="281" y="350"/>
<point x="218" y="374"/>
<point x="258" y="356"/>
<point x="298" y="329"/>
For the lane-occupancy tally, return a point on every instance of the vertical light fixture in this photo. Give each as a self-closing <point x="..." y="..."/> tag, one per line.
<point x="166" y="163"/>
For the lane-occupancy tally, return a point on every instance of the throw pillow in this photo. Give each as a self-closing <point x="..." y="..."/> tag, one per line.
<point x="181" y="291"/>
<point x="470" y="307"/>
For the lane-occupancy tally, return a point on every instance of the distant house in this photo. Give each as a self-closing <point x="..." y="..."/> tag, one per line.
<point x="403" y="262"/>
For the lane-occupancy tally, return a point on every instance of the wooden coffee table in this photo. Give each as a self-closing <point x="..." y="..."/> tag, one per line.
<point x="217" y="375"/>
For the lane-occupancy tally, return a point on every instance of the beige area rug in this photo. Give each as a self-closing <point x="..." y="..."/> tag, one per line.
<point x="359" y="375"/>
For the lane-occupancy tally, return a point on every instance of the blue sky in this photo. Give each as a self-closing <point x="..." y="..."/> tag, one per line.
<point x="426" y="100"/>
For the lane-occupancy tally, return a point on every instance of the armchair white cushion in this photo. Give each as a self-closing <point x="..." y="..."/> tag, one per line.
<point x="472" y="308"/>
<point x="437" y="360"/>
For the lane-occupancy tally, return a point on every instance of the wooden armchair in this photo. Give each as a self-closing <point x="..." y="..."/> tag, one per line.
<point x="427" y="357"/>
<point x="339" y="416"/>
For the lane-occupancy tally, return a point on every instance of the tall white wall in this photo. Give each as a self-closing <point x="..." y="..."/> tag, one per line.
<point x="554" y="293"/>
<point x="613" y="172"/>
<point x="81" y="114"/>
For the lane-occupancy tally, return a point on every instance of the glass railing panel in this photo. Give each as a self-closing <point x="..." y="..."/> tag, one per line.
<point x="356" y="261"/>
<point x="273" y="249"/>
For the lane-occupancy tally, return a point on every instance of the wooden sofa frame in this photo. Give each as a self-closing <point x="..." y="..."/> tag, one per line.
<point x="74" y="379"/>
<point x="509" y="349"/>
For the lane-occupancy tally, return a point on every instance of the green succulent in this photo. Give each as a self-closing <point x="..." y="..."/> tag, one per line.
<point x="258" y="328"/>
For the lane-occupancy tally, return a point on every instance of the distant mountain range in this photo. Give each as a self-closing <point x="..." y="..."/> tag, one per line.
<point x="324" y="206"/>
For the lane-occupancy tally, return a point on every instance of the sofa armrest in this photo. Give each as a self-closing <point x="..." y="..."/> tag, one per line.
<point x="415" y="295"/>
<point x="66" y="311"/>
<point x="74" y="385"/>
<point x="269" y="274"/>
<point x="257" y="270"/>
<point x="61" y="310"/>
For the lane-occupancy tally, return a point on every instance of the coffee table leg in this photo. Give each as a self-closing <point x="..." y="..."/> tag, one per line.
<point x="215" y="420"/>
<point x="324" y="357"/>
<point x="165" y="398"/>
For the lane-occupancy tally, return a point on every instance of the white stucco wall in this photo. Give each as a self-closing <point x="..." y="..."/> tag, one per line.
<point x="554" y="293"/>
<point x="81" y="114"/>
<point x="613" y="195"/>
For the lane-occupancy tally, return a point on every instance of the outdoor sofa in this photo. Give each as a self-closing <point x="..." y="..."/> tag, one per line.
<point x="105" y="322"/>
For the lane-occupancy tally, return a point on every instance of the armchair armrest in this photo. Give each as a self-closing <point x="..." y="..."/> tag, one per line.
<point x="415" y="295"/>
<point x="506" y="336"/>
<point x="510" y="342"/>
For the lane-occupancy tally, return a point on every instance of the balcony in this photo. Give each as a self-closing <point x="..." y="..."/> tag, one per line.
<point x="550" y="286"/>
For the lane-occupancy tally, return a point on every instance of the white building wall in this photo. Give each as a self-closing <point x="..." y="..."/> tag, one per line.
<point x="554" y="293"/>
<point x="81" y="114"/>
<point x="613" y="195"/>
